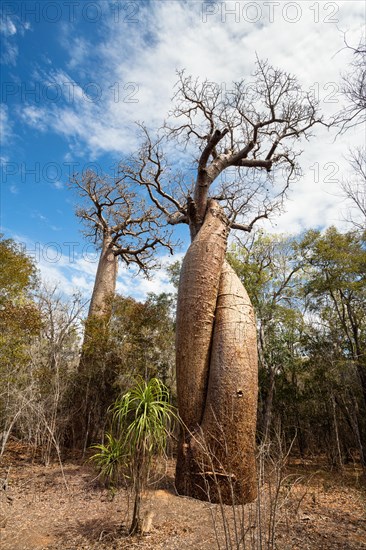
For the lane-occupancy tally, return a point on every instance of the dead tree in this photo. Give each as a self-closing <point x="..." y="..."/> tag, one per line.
<point x="123" y="227"/>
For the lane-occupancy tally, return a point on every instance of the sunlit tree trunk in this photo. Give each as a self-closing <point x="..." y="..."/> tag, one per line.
<point x="216" y="372"/>
<point x="105" y="281"/>
<point x="197" y="297"/>
<point x="249" y="130"/>
<point x="90" y="392"/>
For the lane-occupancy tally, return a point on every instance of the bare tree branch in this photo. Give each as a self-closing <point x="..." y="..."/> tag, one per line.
<point x="354" y="189"/>
<point x="354" y="89"/>
<point x="254" y="126"/>
<point x="114" y="211"/>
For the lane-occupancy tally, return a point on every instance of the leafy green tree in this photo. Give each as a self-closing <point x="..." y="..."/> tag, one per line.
<point x="309" y="296"/>
<point x="330" y="398"/>
<point x="271" y="271"/>
<point x="139" y="340"/>
<point x="18" y="273"/>
<point x="337" y="286"/>
<point x="143" y="337"/>
<point x="19" y="323"/>
<point x="336" y="292"/>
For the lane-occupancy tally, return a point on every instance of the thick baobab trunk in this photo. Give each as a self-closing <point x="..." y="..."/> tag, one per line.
<point x="229" y="420"/>
<point x="198" y="288"/>
<point x="105" y="281"/>
<point x="100" y="308"/>
<point x="92" y="391"/>
<point x="216" y="373"/>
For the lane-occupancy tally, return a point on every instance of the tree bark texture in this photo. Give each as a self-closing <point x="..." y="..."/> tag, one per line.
<point x="216" y="373"/>
<point x="100" y="309"/>
<point x="92" y="391"/>
<point x="198" y="290"/>
<point x="105" y="281"/>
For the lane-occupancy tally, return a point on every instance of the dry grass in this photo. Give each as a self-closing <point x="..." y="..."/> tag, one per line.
<point x="320" y="510"/>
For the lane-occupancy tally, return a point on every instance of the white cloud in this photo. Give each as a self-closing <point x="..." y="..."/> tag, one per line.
<point x="7" y="26"/>
<point x="138" y="286"/>
<point x="73" y="266"/>
<point x="9" y="29"/>
<point x="34" y="117"/>
<point x="138" y="62"/>
<point x="6" y="131"/>
<point x="42" y="219"/>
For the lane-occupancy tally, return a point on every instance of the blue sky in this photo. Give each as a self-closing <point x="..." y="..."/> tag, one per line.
<point x="77" y="75"/>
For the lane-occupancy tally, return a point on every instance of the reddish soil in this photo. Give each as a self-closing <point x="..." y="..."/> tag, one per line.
<point x="44" y="508"/>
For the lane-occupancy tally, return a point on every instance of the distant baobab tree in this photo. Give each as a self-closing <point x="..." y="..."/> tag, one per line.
<point x="123" y="227"/>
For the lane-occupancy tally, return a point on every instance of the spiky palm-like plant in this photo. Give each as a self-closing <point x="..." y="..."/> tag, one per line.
<point x="109" y="459"/>
<point x="141" y="419"/>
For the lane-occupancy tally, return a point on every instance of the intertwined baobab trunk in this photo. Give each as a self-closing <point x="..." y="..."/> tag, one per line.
<point x="216" y="372"/>
<point x="250" y="131"/>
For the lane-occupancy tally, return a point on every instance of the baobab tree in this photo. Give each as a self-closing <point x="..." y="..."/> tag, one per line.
<point x="124" y="228"/>
<point x="243" y="144"/>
